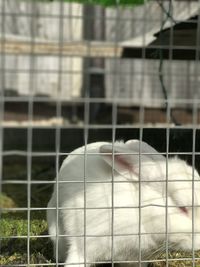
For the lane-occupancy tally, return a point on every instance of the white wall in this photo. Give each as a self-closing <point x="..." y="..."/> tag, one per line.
<point x="45" y="25"/>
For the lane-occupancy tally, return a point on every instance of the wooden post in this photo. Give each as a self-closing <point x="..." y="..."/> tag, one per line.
<point x="94" y="30"/>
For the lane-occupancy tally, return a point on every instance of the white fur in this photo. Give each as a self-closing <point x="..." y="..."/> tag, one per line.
<point x="133" y="173"/>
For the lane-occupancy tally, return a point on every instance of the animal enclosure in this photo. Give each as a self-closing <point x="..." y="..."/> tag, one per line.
<point x="73" y="73"/>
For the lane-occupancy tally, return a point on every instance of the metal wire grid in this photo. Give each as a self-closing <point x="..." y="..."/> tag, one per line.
<point x="38" y="69"/>
<point x="194" y="140"/>
<point x="1" y="104"/>
<point x="86" y="100"/>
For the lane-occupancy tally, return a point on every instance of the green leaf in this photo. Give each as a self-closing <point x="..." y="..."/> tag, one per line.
<point x="109" y="2"/>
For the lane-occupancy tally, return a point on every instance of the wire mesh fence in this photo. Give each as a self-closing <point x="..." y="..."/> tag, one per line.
<point x="82" y="77"/>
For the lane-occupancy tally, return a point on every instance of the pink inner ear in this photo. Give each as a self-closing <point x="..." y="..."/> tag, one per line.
<point x="184" y="209"/>
<point x="123" y="162"/>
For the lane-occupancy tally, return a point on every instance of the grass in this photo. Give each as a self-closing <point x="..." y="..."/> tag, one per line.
<point x="19" y="258"/>
<point x="14" y="233"/>
<point x="176" y="259"/>
<point x="14" y="225"/>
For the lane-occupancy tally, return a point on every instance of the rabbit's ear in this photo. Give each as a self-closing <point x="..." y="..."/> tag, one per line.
<point x="140" y="146"/>
<point x="131" y="163"/>
<point x="118" y="157"/>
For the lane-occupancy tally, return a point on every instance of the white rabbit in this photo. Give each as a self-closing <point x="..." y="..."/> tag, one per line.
<point x="112" y="204"/>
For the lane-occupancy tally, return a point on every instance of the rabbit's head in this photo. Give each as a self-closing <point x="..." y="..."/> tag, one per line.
<point x="171" y="184"/>
<point x="184" y="215"/>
